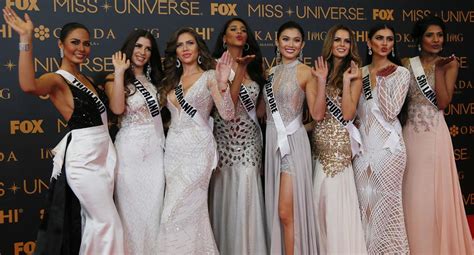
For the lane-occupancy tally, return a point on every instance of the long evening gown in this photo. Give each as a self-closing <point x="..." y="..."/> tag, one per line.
<point x="289" y="97"/>
<point x="432" y="199"/>
<point x="236" y="195"/>
<point x="380" y="166"/>
<point x="336" y="204"/>
<point x="190" y="157"/>
<point x="140" y="182"/>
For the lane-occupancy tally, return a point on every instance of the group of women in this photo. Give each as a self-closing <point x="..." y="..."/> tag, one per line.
<point x="371" y="185"/>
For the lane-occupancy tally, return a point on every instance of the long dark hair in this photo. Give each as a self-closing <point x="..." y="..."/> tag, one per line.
<point x="128" y="46"/>
<point x="422" y="25"/>
<point x="336" y="80"/>
<point x="254" y="68"/>
<point x="372" y="31"/>
<point x="171" y="71"/>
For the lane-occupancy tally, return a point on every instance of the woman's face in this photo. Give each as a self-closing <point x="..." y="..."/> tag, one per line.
<point x="290" y="43"/>
<point x="432" y="40"/>
<point x="341" y="44"/>
<point x="236" y="34"/>
<point x="76" y="46"/>
<point x="382" y="42"/>
<point x="141" y="52"/>
<point x="187" y="50"/>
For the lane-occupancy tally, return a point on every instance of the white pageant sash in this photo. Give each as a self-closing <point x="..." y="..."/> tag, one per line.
<point x="154" y="108"/>
<point x="421" y="80"/>
<point x="76" y="83"/>
<point x="366" y="83"/>
<point x="282" y="131"/>
<point x="354" y="133"/>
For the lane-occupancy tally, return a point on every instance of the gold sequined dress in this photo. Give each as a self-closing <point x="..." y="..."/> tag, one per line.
<point x="338" y="222"/>
<point x="432" y="199"/>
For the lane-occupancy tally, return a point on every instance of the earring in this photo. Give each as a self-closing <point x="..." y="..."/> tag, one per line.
<point x="178" y="63"/>
<point x="246" y="47"/>
<point x="199" y="60"/>
<point x="61" y="52"/>
<point x="148" y="72"/>
<point x="370" y="51"/>
<point x="419" y="47"/>
<point x="278" y="56"/>
<point x="224" y="45"/>
<point x="300" y="57"/>
<point x="393" y="52"/>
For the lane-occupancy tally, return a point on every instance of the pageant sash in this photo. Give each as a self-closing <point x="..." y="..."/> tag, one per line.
<point x="246" y="100"/>
<point x="366" y="83"/>
<point x="354" y="134"/>
<point x="282" y="131"/>
<point x="154" y="108"/>
<point x="422" y="81"/>
<point x="76" y="83"/>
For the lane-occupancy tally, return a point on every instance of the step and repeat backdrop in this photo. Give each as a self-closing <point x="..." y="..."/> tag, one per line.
<point x="30" y="126"/>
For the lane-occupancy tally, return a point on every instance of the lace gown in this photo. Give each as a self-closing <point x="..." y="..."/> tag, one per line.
<point x="236" y="196"/>
<point x="190" y="157"/>
<point x="380" y="166"/>
<point x="434" y="211"/>
<point x="289" y="97"/>
<point x="335" y="196"/>
<point x="140" y="183"/>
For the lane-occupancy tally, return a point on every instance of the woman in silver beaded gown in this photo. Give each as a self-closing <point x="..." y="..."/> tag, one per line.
<point x="236" y="197"/>
<point x="288" y="186"/>
<point x="139" y="142"/>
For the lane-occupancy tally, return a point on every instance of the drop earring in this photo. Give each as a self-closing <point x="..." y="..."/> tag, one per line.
<point x="61" y="52"/>
<point x="178" y="63"/>
<point x="393" y="52"/>
<point x="370" y="51"/>
<point x="278" y="55"/>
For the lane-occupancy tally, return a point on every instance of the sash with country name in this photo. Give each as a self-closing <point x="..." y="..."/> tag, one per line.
<point x="78" y="84"/>
<point x="282" y="131"/>
<point x="188" y="108"/>
<point x="154" y="108"/>
<point x="422" y="81"/>
<point x="367" y="89"/>
<point x="354" y="134"/>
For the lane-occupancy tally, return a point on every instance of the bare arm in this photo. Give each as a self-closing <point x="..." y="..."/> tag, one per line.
<point x="446" y="73"/>
<point x="316" y="92"/>
<point x="114" y="87"/>
<point x="26" y="72"/>
<point x="352" y="87"/>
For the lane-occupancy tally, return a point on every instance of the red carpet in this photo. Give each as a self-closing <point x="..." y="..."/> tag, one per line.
<point x="470" y="219"/>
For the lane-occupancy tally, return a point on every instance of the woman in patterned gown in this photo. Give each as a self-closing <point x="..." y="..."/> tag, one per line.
<point x="335" y="140"/>
<point x="434" y="211"/>
<point x="191" y="89"/>
<point x="139" y="141"/>
<point x="380" y="165"/>
<point x="81" y="217"/>
<point x="236" y="197"/>
<point x="288" y="189"/>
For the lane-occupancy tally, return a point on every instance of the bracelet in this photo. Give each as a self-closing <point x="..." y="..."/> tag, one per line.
<point x="224" y="90"/>
<point x="23" y="46"/>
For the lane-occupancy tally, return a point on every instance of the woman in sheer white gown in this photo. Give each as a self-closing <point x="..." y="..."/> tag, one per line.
<point x="140" y="182"/>
<point x="236" y="196"/>
<point x="333" y="104"/>
<point x="380" y="165"/>
<point x="192" y="89"/>
<point x="288" y="186"/>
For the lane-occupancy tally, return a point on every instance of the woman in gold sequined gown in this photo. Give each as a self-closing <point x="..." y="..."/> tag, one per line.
<point x="432" y="199"/>
<point x="339" y="227"/>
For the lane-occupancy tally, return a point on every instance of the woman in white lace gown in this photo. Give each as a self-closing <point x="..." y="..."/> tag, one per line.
<point x="333" y="104"/>
<point x="192" y="89"/>
<point x="236" y="196"/>
<point x="139" y="142"/>
<point x="288" y="189"/>
<point x="380" y="165"/>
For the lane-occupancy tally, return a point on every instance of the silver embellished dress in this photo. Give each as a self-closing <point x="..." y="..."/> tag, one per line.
<point x="140" y="181"/>
<point x="190" y="157"/>
<point x="335" y="196"/>
<point x="236" y="197"/>
<point x="289" y="97"/>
